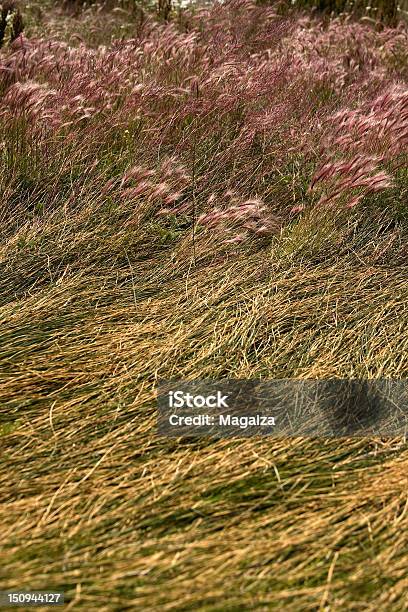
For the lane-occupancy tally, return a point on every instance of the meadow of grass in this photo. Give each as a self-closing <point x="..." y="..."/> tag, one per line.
<point x="220" y="195"/>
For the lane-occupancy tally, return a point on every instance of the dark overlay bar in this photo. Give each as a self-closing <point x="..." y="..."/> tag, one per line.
<point x="283" y="407"/>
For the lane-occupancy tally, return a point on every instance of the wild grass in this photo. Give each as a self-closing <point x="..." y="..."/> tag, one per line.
<point x="176" y="204"/>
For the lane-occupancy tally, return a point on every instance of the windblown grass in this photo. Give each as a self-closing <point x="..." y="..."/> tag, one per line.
<point x="104" y="288"/>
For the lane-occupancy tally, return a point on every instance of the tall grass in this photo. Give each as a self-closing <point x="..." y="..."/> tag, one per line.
<point x="252" y="92"/>
<point x="384" y="11"/>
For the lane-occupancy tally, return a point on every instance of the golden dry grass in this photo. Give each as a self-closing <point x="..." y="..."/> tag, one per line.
<point x="95" y="503"/>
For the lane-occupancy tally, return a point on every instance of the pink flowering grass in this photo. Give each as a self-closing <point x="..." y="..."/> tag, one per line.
<point x="235" y="95"/>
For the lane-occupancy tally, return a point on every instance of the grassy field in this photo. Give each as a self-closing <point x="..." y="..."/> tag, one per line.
<point x="223" y="195"/>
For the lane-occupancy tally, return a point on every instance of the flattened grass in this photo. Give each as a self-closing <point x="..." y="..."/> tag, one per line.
<point x="95" y="502"/>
